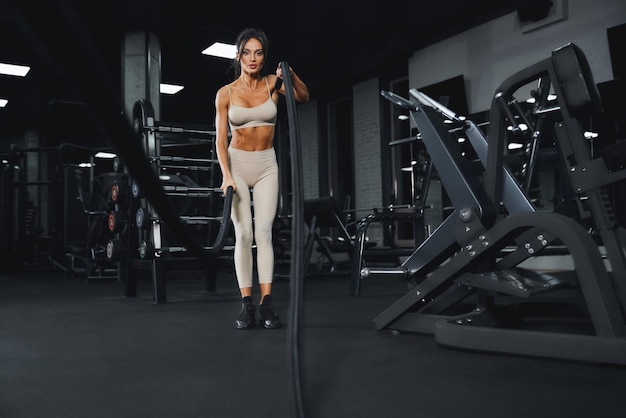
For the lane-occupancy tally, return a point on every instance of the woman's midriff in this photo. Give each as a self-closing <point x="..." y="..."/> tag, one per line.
<point x="256" y="138"/>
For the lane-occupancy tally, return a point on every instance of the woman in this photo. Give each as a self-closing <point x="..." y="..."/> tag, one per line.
<point x="248" y="106"/>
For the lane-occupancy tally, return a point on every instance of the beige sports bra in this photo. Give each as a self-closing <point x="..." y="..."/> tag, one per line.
<point x="247" y="117"/>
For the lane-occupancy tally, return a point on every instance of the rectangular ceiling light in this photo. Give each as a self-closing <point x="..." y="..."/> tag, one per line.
<point x="105" y="155"/>
<point x="11" y="69"/>
<point x="170" y="88"/>
<point x="3" y="102"/>
<point x="219" y="49"/>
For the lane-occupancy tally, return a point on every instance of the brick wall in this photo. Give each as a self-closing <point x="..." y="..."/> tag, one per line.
<point x="309" y="139"/>
<point x="367" y="155"/>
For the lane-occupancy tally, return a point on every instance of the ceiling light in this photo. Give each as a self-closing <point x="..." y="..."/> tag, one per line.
<point x="3" y="102"/>
<point x="170" y="88"/>
<point x="11" y="69"/>
<point x="105" y="155"/>
<point x="219" y="49"/>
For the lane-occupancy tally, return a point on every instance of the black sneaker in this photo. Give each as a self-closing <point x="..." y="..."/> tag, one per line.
<point x="269" y="318"/>
<point x="245" y="320"/>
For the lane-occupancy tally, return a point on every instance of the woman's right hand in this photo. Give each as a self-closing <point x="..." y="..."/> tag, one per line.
<point x="226" y="183"/>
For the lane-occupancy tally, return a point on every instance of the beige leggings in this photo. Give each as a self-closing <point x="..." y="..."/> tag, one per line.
<point x="256" y="170"/>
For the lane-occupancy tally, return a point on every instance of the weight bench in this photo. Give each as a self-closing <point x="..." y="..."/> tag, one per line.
<point x="324" y="212"/>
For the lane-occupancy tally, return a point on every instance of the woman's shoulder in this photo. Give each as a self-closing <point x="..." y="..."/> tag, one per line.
<point x="226" y="87"/>
<point x="230" y="87"/>
<point x="222" y="94"/>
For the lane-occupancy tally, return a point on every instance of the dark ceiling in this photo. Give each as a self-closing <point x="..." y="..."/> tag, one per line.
<point x="331" y="44"/>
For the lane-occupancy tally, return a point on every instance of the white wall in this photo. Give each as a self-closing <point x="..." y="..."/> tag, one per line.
<point x="486" y="56"/>
<point x="490" y="53"/>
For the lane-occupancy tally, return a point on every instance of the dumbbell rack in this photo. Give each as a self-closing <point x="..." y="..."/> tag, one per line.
<point x="191" y="185"/>
<point x="103" y="204"/>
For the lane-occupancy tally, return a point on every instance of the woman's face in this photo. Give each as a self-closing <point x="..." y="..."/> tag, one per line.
<point x="251" y="56"/>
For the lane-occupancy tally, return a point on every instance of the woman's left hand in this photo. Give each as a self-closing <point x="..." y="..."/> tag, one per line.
<point x="279" y="72"/>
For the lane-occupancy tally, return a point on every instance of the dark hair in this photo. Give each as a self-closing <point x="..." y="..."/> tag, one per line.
<point x="243" y="37"/>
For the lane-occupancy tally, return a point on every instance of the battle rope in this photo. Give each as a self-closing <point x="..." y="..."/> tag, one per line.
<point x="297" y="246"/>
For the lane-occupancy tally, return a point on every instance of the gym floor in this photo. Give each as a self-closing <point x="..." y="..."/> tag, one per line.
<point x="72" y="348"/>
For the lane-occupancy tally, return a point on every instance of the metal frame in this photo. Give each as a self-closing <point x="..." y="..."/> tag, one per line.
<point x="153" y="246"/>
<point x="501" y="307"/>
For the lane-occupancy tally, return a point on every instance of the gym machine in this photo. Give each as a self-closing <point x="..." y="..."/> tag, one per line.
<point x="191" y="185"/>
<point x="473" y="291"/>
<point x="104" y="205"/>
<point x="363" y="252"/>
<point x="325" y="212"/>
<point x="78" y="209"/>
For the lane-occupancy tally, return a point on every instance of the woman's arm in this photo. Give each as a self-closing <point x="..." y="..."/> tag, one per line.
<point x="221" y="138"/>
<point x="300" y="89"/>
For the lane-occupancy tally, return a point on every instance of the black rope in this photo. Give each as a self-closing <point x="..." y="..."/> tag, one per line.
<point x="297" y="248"/>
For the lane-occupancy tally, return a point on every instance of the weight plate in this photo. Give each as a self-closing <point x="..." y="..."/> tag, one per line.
<point x="110" y="250"/>
<point x="146" y="250"/>
<point x="141" y="218"/>
<point x="116" y="221"/>
<point x="117" y="164"/>
<point x="111" y="221"/>
<point x="135" y="189"/>
<point x="115" y="192"/>
<point x="115" y="249"/>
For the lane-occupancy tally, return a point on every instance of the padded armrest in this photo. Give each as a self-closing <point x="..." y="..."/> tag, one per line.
<point x="574" y="75"/>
